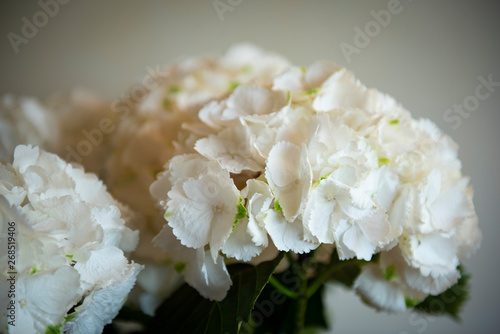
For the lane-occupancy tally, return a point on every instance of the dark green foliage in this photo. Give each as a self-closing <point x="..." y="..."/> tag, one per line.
<point x="275" y="313"/>
<point x="187" y="312"/>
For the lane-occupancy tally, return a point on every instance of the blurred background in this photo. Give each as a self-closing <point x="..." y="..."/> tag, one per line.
<point x="431" y="56"/>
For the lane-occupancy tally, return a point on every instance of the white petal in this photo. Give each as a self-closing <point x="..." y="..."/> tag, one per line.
<point x="25" y="156"/>
<point x="340" y="90"/>
<point x="356" y="241"/>
<point x="211" y="279"/>
<point x="285" y="235"/>
<point x="290" y="80"/>
<point x="104" y="267"/>
<point x="450" y="209"/>
<point x="180" y="167"/>
<point x="231" y="148"/>
<point x="190" y="218"/>
<point x="288" y="172"/>
<point x="11" y="185"/>
<point x="239" y="244"/>
<point x="211" y="114"/>
<point x="382" y="184"/>
<point x="375" y="290"/>
<point x="202" y="211"/>
<point x="251" y="100"/>
<point x="319" y="213"/>
<point x="259" y="198"/>
<point x="101" y="306"/>
<point x="160" y="187"/>
<point x="433" y="254"/>
<point x="430" y="284"/>
<point x="42" y="300"/>
<point x="318" y="72"/>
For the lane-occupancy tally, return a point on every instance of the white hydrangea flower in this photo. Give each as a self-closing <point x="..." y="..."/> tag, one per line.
<point x="240" y="244"/>
<point x="259" y="66"/>
<point x="246" y="156"/>
<point x="244" y="102"/>
<point x="232" y="148"/>
<point x="435" y="215"/>
<point x="76" y="126"/>
<point x="321" y="159"/>
<point x="383" y="285"/>
<point x="71" y="238"/>
<point x="202" y="210"/>
<point x="201" y="204"/>
<point x="286" y="235"/>
<point x="431" y="246"/>
<point x="300" y="79"/>
<point x="352" y="212"/>
<point x="210" y="278"/>
<point x="163" y="122"/>
<point x="102" y="305"/>
<point x="265" y="221"/>
<point x="86" y="124"/>
<point x="259" y="200"/>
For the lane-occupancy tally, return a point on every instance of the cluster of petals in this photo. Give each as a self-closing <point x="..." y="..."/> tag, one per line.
<point x="222" y="159"/>
<point x="74" y="125"/>
<point x="314" y="157"/>
<point x="157" y="120"/>
<point x="71" y="240"/>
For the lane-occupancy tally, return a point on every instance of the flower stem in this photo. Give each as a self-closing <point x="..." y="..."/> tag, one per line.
<point x="301" y="306"/>
<point x="302" y="297"/>
<point x="283" y="289"/>
<point x="332" y="268"/>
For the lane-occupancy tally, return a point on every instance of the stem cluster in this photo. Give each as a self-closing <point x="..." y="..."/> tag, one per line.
<point x="310" y="280"/>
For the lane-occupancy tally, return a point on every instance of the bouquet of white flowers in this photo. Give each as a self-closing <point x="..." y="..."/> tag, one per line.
<point x="251" y="181"/>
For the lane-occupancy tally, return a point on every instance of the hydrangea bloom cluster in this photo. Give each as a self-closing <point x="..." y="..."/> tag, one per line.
<point x="221" y="160"/>
<point x="158" y="120"/>
<point x="65" y="124"/>
<point x="85" y="122"/>
<point x="71" y="238"/>
<point x="314" y="157"/>
<point x="151" y="129"/>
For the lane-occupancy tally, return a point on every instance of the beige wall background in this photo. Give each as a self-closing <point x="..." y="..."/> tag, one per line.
<point x="430" y="56"/>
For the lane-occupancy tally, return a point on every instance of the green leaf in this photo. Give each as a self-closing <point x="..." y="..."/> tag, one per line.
<point x="346" y="275"/>
<point x="131" y="314"/>
<point x="275" y="313"/>
<point x="281" y="317"/>
<point x="344" y="271"/>
<point x="315" y="315"/>
<point x="449" y="302"/>
<point x="188" y="312"/>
